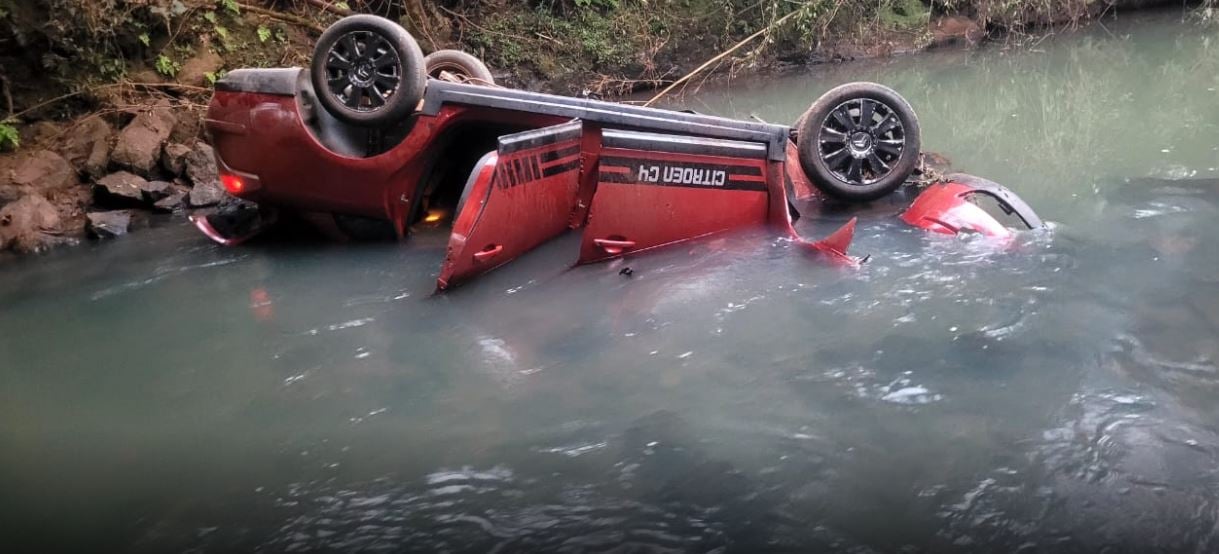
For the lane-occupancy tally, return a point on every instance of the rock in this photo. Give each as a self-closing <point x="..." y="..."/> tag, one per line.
<point x="189" y="127"/>
<point x="30" y="224"/>
<point x="174" y="201"/>
<point x="207" y="194"/>
<point x="173" y="159"/>
<point x="138" y="147"/>
<point x="109" y="224"/>
<point x="34" y="171"/>
<point x="201" y="169"/>
<point x="87" y="146"/>
<point x="955" y="29"/>
<point x="156" y="190"/>
<point x="201" y="164"/>
<point x="71" y="205"/>
<point x="121" y="187"/>
<point x="194" y="71"/>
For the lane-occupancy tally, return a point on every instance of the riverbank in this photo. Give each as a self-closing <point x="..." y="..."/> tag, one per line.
<point x="105" y="103"/>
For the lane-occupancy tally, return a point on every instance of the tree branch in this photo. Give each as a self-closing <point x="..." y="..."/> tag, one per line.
<point x="323" y="4"/>
<point x="719" y="57"/>
<point x="294" y="19"/>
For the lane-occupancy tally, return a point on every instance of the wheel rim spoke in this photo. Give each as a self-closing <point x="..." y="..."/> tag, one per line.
<point x="855" y="170"/>
<point x="376" y="98"/>
<point x="879" y="167"/>
<point x="386" y="59"/>
<point x="353" y="98"/>
<point x="386" y="81"/>
<point x="830" y="136"/>
<point x="353" y="50"/>
<point x="866" y="109"/>
<point x="892" y="147"/>
<point x="842" y="118"/>
<point x="835" y="159"/>
<point x="887" y="124"/>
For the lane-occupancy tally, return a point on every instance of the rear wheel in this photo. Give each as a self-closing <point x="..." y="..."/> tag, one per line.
<point x="368" y="71"/>
<point x="859" y="141"/>
<point x="458" y="65"/>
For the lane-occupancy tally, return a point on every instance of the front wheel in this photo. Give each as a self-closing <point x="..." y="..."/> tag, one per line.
<point x="859" y="141"/>
<point x="459" y="66"/>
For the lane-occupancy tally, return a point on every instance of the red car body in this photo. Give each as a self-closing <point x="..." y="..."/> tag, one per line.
<point x="630" y="178"/>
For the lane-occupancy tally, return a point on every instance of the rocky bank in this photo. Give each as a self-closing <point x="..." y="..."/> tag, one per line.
<point x="88" y="178"/>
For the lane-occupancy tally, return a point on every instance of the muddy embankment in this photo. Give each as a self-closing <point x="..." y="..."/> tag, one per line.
<point x="101" y="100"/>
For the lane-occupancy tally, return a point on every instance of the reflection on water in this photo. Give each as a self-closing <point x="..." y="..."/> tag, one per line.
<point x="159" y="393"/>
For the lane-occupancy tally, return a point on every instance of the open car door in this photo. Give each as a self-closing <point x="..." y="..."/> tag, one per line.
<point x="517" y="198"/>
<point x="655" y="189"/>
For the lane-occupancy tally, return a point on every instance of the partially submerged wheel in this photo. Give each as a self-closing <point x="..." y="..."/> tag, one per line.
<point x="859" y="141"/>
<point x="368" y="71"/>
<point x="459" y="66"/>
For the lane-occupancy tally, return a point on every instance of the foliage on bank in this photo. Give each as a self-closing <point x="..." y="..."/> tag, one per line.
<point x="82" y="48"/>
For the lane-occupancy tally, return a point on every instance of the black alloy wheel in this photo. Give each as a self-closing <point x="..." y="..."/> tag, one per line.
<point x="368" y="71"/>
<point x="363" y="70"/>
<point x="859" y="141"/>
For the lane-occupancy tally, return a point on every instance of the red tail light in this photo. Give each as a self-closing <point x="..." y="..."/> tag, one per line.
<point x="234" y="184"/>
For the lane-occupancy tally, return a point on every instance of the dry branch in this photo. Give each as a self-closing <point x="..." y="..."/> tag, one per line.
<point x="93" y="89"/>
<point x="323" y="4"/>
<point x="294" y="19"/>
<point x="721" y="56"/>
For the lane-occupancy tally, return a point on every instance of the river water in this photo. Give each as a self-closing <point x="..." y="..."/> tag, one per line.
<point x="161" y="393"/>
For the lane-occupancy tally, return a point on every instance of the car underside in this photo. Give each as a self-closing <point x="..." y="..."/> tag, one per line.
<point x="509" y="170"/>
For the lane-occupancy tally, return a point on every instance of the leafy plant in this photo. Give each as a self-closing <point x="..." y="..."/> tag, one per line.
<point x="145" y="39"/>
<point x="264" y="34"/>
<point x="10" y="139"/>
<point x="231" y="6"/>
<point x="166" y="66"/>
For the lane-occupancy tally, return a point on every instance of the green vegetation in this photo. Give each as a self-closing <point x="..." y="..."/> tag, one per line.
<point x="50" y="48"/>
<point x="166" y="66"/>
<point x="10" y="139"/>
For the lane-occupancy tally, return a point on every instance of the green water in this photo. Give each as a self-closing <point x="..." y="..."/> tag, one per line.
<point x="159" y="393"/>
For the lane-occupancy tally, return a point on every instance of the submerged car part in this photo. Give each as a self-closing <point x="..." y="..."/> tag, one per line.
<point x="234" y="224"/>
<point x="954" y="206"/>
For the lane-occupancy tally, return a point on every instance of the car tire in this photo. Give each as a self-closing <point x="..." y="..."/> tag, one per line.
<point x="468" y="67"/>
<point x="853" y="159"/>
<point x="368" y="71"/>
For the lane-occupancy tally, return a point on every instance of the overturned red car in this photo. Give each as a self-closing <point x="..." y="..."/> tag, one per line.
<point x="374" y="136"/>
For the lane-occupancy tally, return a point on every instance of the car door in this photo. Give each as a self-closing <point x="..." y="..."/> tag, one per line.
<point x="655" y="189"/>
<point x="517" y="198"/>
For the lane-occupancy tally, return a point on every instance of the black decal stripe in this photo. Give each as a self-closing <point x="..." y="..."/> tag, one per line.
<point x="553" y="155"/>
<point x="562" y="168"/>
<point x="540" y="137"/>
<point x="727" y="165"/>
<point x="562" y="162"/>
